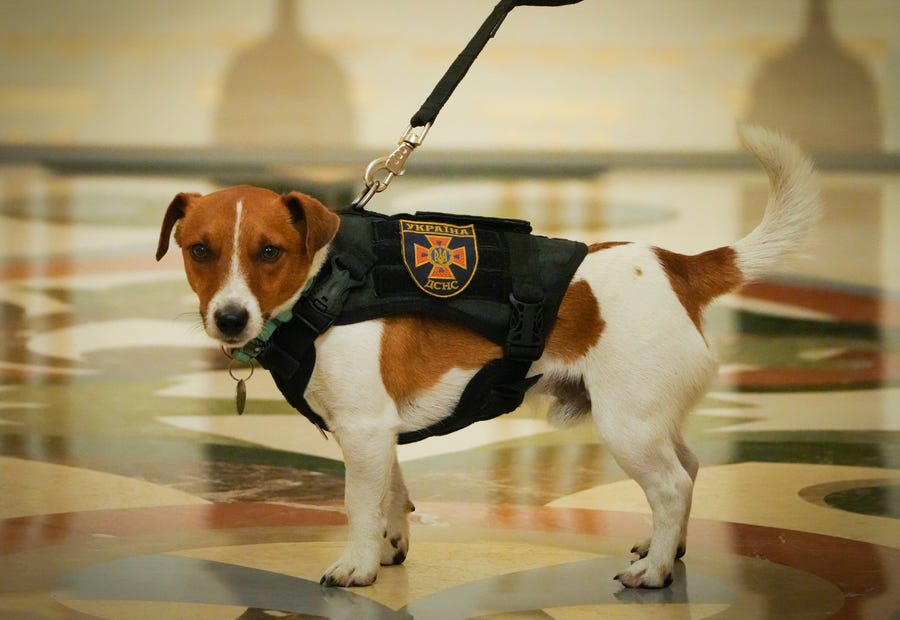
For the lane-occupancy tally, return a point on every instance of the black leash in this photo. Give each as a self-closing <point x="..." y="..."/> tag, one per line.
<point x="381" y="171"/>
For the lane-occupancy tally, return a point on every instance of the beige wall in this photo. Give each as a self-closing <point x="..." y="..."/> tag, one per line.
<point x="604" y="74"/>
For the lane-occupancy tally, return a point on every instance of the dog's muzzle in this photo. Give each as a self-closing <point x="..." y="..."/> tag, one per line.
<point x="231" y="320"/>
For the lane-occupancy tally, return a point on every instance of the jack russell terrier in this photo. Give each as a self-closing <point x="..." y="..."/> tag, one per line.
<point x="625" y="348"/>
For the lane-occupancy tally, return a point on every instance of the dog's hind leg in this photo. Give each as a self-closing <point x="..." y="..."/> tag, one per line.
<point x="691" y="465"/>
<point x="643" y="446"/>
<point x="395" y="542"/>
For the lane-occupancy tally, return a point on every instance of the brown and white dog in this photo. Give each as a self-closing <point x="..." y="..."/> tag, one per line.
<point x="627" y="348"/>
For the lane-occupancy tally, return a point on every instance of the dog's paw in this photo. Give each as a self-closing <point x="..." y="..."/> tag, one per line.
<point x="641" y="575"/>
<point x="394" y="547"/>
<point x="349" y="574"/>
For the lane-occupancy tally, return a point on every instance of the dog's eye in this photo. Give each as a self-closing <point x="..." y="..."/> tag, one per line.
<point x="271" y="253"/>
<point x="200" y="252"/>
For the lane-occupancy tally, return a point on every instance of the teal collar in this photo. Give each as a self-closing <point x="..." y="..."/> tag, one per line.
<point x="249" y="351"/>
<point x="252" y="349"/>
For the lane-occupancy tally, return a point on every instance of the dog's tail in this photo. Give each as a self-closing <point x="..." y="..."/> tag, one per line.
<point x="793" y="209"/>
<point x="791" y="214"/>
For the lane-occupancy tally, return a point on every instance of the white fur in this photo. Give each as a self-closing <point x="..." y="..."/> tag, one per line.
<point x="235" y="291"/>
<point x="793" y="208"/>
<point x="647" y="370"/>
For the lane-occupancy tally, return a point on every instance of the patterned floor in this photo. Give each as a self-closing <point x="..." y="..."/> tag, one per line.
<point x="130" y="489"/>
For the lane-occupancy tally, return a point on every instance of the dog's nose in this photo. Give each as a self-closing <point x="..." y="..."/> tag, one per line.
<point x="231" y="320"/>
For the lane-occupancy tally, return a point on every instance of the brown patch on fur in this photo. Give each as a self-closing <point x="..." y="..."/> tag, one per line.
<point x="272" y="283"/>
<point x="208" y="220"/>
<point x="578" y="324"/>
<point x="300" y="226"/>
<point x="416" y="351"/>
<point x="605" y="245"/>
<point x="699" y="279"/>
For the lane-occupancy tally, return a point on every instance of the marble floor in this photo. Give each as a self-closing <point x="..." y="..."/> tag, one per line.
<point x="130" y="489"/>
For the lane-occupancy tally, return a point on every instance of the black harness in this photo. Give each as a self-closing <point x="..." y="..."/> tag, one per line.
<point x="489" y="275"/>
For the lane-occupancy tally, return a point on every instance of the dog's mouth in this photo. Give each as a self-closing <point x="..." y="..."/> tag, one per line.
<point x="233" y="342"/>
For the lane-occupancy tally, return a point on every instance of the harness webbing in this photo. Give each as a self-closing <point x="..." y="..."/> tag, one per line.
<point x="513" y="300"/>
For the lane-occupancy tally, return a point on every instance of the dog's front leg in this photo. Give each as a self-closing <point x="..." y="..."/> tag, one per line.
<point x="395" y="542"/>
<point x="369" y="459"/>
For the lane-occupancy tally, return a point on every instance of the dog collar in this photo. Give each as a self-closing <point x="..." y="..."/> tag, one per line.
<point x="318" y="306"/>
<point x="249" y="351"/>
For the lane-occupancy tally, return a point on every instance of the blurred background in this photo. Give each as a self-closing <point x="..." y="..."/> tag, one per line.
<point x="604" y="120"/>
<point x="603" y="75"/>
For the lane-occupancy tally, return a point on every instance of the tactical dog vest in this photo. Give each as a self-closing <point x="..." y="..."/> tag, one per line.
<point x="490" y="275"/>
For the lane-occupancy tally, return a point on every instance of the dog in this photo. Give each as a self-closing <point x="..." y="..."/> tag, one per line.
<point x="627" y="348"/>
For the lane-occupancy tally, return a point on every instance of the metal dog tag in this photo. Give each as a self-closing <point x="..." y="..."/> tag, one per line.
<point x="240" y="397"/>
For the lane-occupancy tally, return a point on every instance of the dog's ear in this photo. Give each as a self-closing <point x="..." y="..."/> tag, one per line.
<point x="174" y="213"/>
<point x="316" y="223"/>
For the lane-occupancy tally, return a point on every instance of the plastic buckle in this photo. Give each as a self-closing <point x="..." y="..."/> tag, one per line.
<point x="321" y="311"/>
<point x="525" y="340"/>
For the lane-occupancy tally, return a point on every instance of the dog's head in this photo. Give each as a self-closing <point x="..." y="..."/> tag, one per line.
<point x="247" y="253"/>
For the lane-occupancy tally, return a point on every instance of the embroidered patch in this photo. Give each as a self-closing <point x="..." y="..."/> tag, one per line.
<point x="441" y="258"/>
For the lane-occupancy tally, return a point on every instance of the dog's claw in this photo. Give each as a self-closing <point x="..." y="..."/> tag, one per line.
<point x="347" y="577"/>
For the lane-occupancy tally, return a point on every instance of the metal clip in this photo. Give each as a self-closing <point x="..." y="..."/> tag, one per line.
<point x="380" y="172"/>
<point x="414" y="138"/>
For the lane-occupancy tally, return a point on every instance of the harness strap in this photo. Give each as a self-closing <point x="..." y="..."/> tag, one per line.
<point x="500" y="386"/>
<point x="322" y="306"/>
<point x="290" y="354"/>
<point x="525" y="339"/>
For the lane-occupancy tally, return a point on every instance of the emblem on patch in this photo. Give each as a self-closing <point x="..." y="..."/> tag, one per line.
<point x="441" y="258"/>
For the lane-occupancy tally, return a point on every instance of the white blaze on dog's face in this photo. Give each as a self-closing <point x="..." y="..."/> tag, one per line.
<point x="247" y="253"/>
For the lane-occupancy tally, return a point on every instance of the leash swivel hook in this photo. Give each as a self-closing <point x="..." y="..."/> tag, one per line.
<point x="380" y="172"/>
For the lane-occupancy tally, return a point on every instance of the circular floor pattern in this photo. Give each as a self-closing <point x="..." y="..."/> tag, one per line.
<point x="470" y="561"/>
<point x="882" y="501"/>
